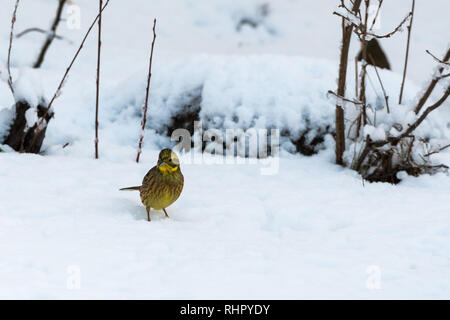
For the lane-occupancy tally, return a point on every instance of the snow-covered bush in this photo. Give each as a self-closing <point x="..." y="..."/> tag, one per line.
<point x="18" y="125"/>
<point x="386" y="138"/>
<point x="231" y="92"/>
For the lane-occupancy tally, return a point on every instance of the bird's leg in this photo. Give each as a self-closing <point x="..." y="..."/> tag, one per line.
<point x="165" y="213"/>
<point x="148" y="213"/>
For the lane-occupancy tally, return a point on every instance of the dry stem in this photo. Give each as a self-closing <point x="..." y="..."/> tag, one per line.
<point x="51" y="36"/>
<point x="100" y="2"/>
<point x="340" y="124"/>
<point x="386" y="98"/>
<point x="11" y="35"/>
<point x="407" y="52"/>
<point x="431" y="86"/>
<point x="144" y="116"/>
<point x="58" y="90"/>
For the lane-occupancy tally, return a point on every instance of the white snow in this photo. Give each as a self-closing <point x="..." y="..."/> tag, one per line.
<point x="374" y="133"/>
<point x="311" y="230"/>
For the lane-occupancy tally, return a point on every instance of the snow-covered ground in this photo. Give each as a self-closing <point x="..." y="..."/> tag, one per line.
<point x="312" y="230"/>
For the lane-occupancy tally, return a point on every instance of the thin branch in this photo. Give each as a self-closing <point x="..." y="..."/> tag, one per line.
<point x="346" y="18"/>
<point x="58" y="90"/>
<point x="356" y="76"/>
<point x="393" y="140"/>
<point x="437" y="59"/>
<point x="380" y="2"/>
<point x="362" y="87"/>
<point x="364" y="153"/>
<point x="24" y="32"/>
<point x="390" y="34"/>
<point x="386" y="98"/>
<point x="443" y="76"/>
<point x="407" y="51"/>
<point x="437" y="151"/>
<point x="343" y="62"/>
<point x="410" y="148"/>
<point x="425" y="113"/>
<point x="100" y="2"/>
<point x="355" y="102"/>
<point x="144" y="116"/>
<point x="431" y="86"/>
<point x="11" y="36"/>
<point x="349" y="12"/>
<point x="51" y="36"/>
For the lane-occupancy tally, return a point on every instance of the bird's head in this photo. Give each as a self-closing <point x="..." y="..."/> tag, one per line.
<point x="168" y="161"/>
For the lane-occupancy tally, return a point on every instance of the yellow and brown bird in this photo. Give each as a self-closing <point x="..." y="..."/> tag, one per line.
<point x="163" y="184"/>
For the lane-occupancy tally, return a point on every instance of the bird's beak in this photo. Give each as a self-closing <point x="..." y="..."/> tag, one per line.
<point x="167" y="168"/>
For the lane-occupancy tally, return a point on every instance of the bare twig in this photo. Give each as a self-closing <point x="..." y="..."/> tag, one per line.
<point x="100" y="2"/>
<point x="144" y="115"/>
<point x="437" y="151"/>
<point x="356" y="76"/>
<point x="362" y="119"/>
<point x="443" y="76"/>
<point x="11" y="35"/>
<point x="58" y="90"/>
<point x="380" y="2"/>
<point x="51" y="35"/>
<point x="410" y="148"/>
<point x="426" y="112"/>
<point x="24" y="32"/>
<point x="360" y="26"/>
<point x="355" y="102"/>
<point x="340" y="124"/>
<point x="407" y="52"/>
<point x="346" y="18"/>
<point x="431" y="86"/>
<point x="363" y="153"/>
<point x="386" y="98"/>
<point x="393" y="140"/>
<point x="390" y="34"/>
<point x="437" y="59"/>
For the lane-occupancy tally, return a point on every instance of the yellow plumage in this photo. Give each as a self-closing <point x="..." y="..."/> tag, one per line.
<point x="163" y="184"/>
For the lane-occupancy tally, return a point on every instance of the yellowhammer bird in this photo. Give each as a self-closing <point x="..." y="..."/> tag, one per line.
<point x="163" y="184"/>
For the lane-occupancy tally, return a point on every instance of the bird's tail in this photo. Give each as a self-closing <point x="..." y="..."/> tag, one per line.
<point x="131" y="188"/>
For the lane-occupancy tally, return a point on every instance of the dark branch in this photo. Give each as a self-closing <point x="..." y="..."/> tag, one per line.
<point x="390" y="34"/>
<point x="100" y="2"/>
<point x="380" y="2"/>
<point x="437" y="59"/>
<point x="58" y="90"/>
<point x="147" y="90"/>
<point x="386" y="98"/>
<point x="11" y="35"/>
<point x="425" y="113"/>
<point x="51" y="35"/>
<point x="431" y="86"/>
<point x="24" y="32"/>
<point x="437" y="151"/>
<point x="355" y="102"/>
<point x="407" y="52"/>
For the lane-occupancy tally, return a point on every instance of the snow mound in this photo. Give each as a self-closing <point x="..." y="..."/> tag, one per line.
<point x="262" y="92"/>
